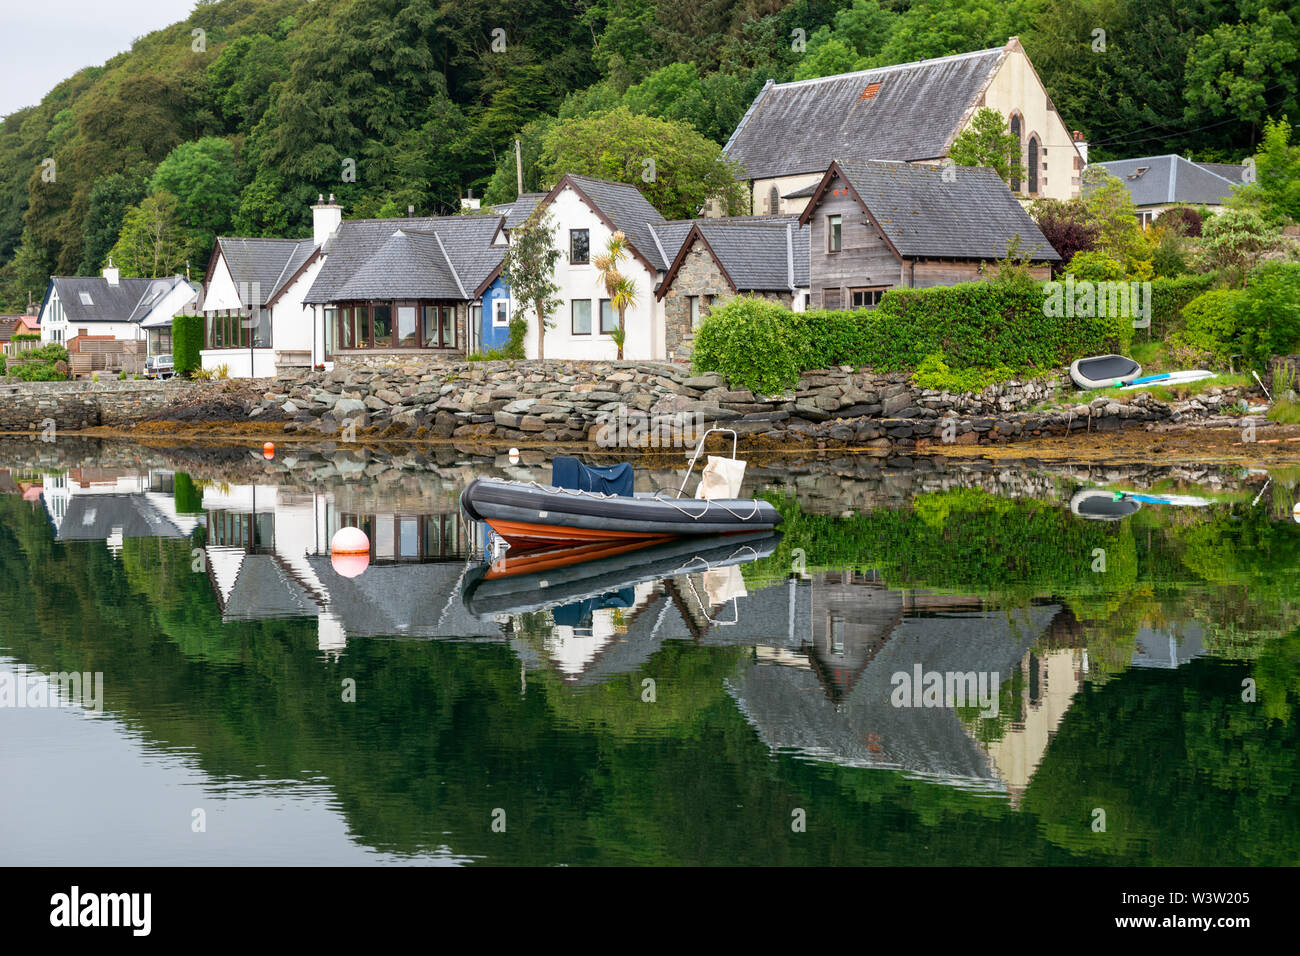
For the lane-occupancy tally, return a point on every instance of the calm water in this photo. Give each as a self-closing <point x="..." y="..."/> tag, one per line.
<point x="1135" y="683"/>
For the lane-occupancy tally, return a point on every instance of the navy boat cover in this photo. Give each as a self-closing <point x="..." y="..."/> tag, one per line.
<point x="570" y="473"/>
<point x="579" y="613"/>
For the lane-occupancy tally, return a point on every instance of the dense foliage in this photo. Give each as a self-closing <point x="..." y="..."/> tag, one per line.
<point x="992" y="329"/>
<point x="187" y="343"/>
<point x="390" y="103"/>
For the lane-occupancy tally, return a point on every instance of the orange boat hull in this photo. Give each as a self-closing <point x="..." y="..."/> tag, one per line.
<point x="531" y="534"/>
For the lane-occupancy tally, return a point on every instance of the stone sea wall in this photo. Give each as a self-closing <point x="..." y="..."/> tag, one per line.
<point x="644" y="404"/>
<point x="28" y="406"/>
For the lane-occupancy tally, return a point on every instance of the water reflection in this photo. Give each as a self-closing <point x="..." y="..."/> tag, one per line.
<point x="952" y="640"/>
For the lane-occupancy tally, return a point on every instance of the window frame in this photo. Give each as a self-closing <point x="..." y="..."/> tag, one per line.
<point x="834" y="233"/>
<point x="573" y="323"/>
<point x="875" y="291"/>
<point x="573" y="234"/>
<point x="613" y="317"/>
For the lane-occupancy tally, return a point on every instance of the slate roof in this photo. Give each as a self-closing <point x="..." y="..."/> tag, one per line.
<point x="519" y="210"/>
<point x="974" y="216"/>
<point x="383" y="265"/>
<point x="629" y="211"/>
<point x="759" y="253"/>
<point x="128" y="301"/>
<point x="265" y="264"/>
<point x="791" y="711"/>
<point x="1160" y="180"/>
<point x="800" y="127"/>
<point x="95" y="517"/>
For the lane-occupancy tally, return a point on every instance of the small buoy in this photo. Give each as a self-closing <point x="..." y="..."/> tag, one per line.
<point x="514" y="456"/>
<point x="1295" y="512"/>
<point x="349" y="551"/>
<point x="268" y="450"/>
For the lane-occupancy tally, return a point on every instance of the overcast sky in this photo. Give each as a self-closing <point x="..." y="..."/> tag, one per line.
<point x="46" y="41"/>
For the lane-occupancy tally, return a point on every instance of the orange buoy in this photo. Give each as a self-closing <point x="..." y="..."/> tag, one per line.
<point x="268" y="450"/>
<point x="349" y="551"/>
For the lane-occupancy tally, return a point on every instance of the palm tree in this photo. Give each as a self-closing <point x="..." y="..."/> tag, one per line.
<point x="621" y="289"/>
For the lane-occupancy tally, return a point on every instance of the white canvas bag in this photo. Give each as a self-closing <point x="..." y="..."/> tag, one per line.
<point x="721" y="478"/>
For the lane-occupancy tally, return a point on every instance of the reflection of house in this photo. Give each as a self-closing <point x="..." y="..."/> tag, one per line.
<point x="840" y="708"/>
<point x="88" y="504"/>
<point x="1170" y="646"/>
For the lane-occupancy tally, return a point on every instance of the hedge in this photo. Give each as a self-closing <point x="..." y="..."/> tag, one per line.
<point x="1169" y="296"/>
<point x="187" y="343"/>
<point x="1257" y="322"/>
<point x="994" y="329"/>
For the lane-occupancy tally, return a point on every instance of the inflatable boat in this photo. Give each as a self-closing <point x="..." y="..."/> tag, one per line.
<point x="561" y="576"/>
<point x="532" y="514"/>
<point x="583" y="505"/>
<point x="1104" y="371"/>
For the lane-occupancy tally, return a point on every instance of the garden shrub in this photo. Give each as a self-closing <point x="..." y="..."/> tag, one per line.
<point x="1169" y="296"/>
<point x="187" y="343"/>
<point x="1210" y="324"/>
<point x="1257" y="322"/>
<point x="996" y="330"/>
<point x="1096" y="266"/>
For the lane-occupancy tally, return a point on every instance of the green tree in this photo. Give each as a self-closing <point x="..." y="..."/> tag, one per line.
<point x="153" y="242"/>
<point x="109" y="201"/>
<point x="1234" y="241"/>
<point x="1244" y="70"/>
<point x="1110" y="211"/>
<point x="828" y="55"/>
<point x="988" y="141"/>
<point x="1275" y="193"/>
<point x="676" y="168"/>
<point x="529" y="269"/>
<point x="674" y="92"/>
<point x="203" y="179"/>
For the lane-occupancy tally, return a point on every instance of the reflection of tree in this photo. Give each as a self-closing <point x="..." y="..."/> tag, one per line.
<point x="440" y="735"/>
<point x="1185" y="771"/>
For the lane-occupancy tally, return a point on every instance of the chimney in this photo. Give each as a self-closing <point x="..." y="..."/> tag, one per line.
<point x="111" y="272"/>
<point x="325" y="218"/>
<point x="1081" y="145"/>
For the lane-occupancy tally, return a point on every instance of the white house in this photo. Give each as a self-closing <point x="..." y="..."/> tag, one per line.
<point x="108" y="305"/>
<point x="254" y="319"/>
<point x="768" y="254"/>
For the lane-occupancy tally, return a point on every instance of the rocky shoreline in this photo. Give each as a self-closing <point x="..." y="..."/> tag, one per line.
<point x="607" y="405"/>
<point x="649" y="405"/>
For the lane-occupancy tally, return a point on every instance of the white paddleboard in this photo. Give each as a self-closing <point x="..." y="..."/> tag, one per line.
<point x="1173" y="378"/>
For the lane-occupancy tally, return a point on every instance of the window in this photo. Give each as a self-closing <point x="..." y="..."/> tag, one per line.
<point x="501" y="313"/>
<point x="833" y="233"/>
<point x="608" y="317"/>
<point x="774" y="200"/>
<point x="85" y="298"/>
<point x="693" y="306"/>
<point x="331" y="330"/>
<point x="347" y="337"/>
<point x="407" y="333"/>
<point x="1033" y="165"/>
<point x="429" y="326"/>
<point x="476" y="316"/>
<point x="865" y="298"/>
<point x="259" y="327"/>
<point x="381" y="317"/>
<point x="580" y="311"/>
<point x="448" y="326"/>
<point x="579" y="246"/>
<point x="1015" y="169"/>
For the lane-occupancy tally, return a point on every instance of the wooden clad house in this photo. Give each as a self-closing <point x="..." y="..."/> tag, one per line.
<point x="880" y="225"/>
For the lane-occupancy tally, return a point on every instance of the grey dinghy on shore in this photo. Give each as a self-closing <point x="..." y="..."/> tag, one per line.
<point x="533" y="514"/>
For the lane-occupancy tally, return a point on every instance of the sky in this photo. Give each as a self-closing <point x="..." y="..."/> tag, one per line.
<point x="46" y="41"/>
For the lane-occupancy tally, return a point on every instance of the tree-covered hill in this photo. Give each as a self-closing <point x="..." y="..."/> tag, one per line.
<point x="235" y="119"/>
